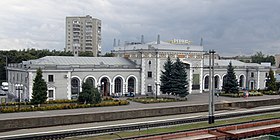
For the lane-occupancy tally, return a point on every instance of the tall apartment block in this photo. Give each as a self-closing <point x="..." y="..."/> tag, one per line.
<point x="83" y="34"/>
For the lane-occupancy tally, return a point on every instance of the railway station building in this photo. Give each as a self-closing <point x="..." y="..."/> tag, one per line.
<point x="136" y="67"/>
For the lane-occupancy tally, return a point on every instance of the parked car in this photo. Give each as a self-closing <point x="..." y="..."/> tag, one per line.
<point x="129" y="94"/>
<point x="5" y="86"/>
<point x="116" y="95"/>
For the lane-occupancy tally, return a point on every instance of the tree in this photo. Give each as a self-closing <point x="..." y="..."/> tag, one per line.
<point x="179" y="83"/>
<point x="89" y="94"/>
<point x="271" y="81"/>
<point x="165" y="77"/>
<point x="230" y="84"/>
<point x="260" y="57"/>
<point x="39" y="94"/>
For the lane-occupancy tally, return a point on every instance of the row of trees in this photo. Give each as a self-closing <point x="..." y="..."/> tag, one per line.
<point x="89" y="94"/>
<point x="260" y="57"/>
<point x="15" y="56"/>
<point x="174" y="78"/>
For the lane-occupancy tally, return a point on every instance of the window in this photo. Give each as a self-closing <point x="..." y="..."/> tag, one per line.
<point x="252" y="74"/>
<point x="50" y="78"/>
<point x="149" y="74"/>
<point x="149" y="88"/>
<point x="50" y="93"/>
<point x="266" y="74"/>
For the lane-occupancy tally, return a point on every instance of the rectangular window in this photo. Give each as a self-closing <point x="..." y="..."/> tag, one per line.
<point x="50" y="93"/>
<point x="195" y="84"/>
<point x="50" y="78"/>
<point x="252" y="74"/>
<point x="266" y="74"/>
<point x="150" y="74"/>
<point x="149" y="88"/>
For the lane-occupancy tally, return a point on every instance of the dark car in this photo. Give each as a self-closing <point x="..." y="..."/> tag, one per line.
<point x="129" y="94"/>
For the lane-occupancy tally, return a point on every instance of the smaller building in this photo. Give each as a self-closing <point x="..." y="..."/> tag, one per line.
<point x="65" y="75"/>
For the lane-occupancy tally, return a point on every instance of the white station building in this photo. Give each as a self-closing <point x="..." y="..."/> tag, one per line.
<point x="135" y="68"/>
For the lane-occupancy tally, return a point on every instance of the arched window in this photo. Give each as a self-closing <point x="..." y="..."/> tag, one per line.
<point x="131" y="84"/>
<point x="75" y="87"/>
<point x="118" y="85"/>
<point x="216" y="82"/>
<point x="241" y="81"/>
<point x="206" y="82"/>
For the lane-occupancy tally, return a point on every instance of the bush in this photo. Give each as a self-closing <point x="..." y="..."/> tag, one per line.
<point x="270" y="92"/>
<point x="63" y="106"/>
<point x="148" y="100"/>
<point x="241" y="94"/>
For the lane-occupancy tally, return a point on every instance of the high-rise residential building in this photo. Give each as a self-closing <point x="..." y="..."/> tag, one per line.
<point x="83" y="34"/>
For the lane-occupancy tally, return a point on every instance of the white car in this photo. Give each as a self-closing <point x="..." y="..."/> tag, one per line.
<point x="5" y="86"/>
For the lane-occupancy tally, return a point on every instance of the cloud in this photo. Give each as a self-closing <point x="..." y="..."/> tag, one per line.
<point x="229" y="26"/>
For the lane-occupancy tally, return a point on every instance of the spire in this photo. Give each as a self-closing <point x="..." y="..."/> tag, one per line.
<point x="119" y="42"/>
<point x="114" y="42"/>
<point x="142" y="39"/>
<point x="158" y="39"/>
<point x="201" y="41"/>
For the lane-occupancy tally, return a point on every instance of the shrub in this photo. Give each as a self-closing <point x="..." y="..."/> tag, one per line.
<point x="63" y="106"/>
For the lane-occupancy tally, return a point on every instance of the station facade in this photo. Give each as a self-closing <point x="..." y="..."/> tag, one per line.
<point x="135" y="68"/>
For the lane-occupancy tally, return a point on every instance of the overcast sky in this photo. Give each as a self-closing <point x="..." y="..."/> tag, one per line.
<point x="232" y="27"/>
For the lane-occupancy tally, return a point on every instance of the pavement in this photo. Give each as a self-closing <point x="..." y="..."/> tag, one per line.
<point x="193" y="99"/>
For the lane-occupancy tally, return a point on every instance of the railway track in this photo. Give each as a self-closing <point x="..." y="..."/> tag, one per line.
<point x="133" y="126"/>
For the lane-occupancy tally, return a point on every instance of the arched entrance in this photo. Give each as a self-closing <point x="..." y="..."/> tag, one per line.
<point x="91" y="81"/>
<point x="105" y="87"/>
<point x="206" y="82"/>
<point x="75" y="88"/>
<point x="224" y="79"/>
<point x="131" y="84"/>
<point x="118" y="85"/>
<point x="241" y="81"/>
<point x="217" y="79"/>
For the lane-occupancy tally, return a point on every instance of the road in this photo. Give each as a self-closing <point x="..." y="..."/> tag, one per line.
<point x="193" y="99"/>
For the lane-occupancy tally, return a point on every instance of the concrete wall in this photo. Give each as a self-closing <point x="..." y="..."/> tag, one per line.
<point x="129" y="114"/>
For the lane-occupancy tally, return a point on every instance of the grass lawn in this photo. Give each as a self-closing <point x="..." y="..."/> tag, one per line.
<point x="178" y="128"/>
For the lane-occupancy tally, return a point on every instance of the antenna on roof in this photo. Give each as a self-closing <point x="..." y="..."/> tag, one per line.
<point x="142" y="39"/>
<point x="158" y="39"/>
<point x="114" y="42"/>
<point x="119" y="42"/>
<point x="201" y="41"/>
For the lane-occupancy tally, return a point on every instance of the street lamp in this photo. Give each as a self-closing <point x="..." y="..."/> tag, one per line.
<point x="102" y="88"/>
<point x="156" y="83"/>
<point x="211" y="89"/>
<point x="19" y="87"/>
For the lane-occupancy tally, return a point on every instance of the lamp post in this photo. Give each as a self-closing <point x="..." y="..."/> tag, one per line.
<point x="102" y="88"/>
<point x="157" y="83"/>
<point x="19" y="87"/>
<point x="211" y="118"/>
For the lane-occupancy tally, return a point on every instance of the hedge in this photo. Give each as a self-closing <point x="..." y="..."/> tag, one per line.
<point x="64" y="106"/>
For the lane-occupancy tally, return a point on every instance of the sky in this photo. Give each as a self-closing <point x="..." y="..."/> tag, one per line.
<point x="231" y="27"/>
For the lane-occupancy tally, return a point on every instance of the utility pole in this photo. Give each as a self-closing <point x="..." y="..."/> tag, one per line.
<point x="211" y="118"/>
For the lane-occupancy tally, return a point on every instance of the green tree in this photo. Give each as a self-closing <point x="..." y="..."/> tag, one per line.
<point x="230" y="84"/>
<point x="108" y="55"/>
<point x="39" y="94"/>
<point x="179" y="83"/>
<point x="89" y="94"/>
<point x="271" y="81"/>
<point x="165" y="77"/>
<point x="260" y="57"/>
